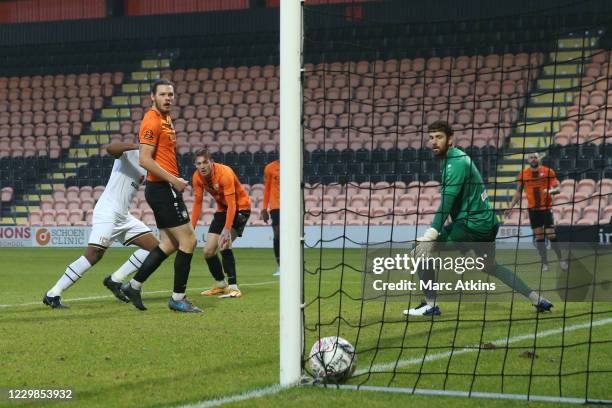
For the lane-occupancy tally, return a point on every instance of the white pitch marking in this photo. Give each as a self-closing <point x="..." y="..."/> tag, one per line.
<point x="256" y="393"/>
<point x="82" y="299"/>
<point x="475" y="394"/>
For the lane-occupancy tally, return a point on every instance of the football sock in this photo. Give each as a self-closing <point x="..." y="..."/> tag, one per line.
<point x="555" y="246"/>
<point x="178" y="296"/>
<point x="149" y="265"/>
<point x="229" y="265"/>
<point x="541" y="246"/>
<point x="505" y="275"/>
<point x="182" y="266"/>
<point x="221" y="284"/>
<point x="73" y="273"/>
<point x="133" y="263"/>
<point x="234" y="287"/>
<point x="277" y="250"/>
<point x="425" y="275"/>
<point x="215" y="268"/>
<point x="135" y="284"/>
<point x="535" y="297"/>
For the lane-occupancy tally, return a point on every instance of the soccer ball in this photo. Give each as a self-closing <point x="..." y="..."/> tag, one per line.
<point x="332" y="359"/>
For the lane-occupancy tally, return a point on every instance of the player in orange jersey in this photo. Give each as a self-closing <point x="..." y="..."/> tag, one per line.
<point x="539" y="183"/>
<point x="271" y="199"/>
<point x="233" y="211"/>
<point x="164" y="194"/>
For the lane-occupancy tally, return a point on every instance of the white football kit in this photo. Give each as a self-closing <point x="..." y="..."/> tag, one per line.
<point x="112" y="220"/>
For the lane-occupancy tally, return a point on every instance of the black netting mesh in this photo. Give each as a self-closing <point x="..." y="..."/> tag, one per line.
<point x="509" y="87"/>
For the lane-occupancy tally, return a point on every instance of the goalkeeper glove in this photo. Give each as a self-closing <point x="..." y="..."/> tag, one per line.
<point x="430" y="235"/>
<point x="425" y="244"/>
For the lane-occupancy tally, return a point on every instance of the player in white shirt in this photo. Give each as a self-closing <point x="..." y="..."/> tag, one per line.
<point x="112" y="222"/>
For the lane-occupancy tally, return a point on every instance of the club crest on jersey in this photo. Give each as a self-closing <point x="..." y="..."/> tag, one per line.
<point x="148" y="134"/>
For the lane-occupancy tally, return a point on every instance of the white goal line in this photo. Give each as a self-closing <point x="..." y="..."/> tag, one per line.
<point x="493" y="395"/>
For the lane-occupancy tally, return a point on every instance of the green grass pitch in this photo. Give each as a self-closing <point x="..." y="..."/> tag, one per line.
<point x="113" y="355"/>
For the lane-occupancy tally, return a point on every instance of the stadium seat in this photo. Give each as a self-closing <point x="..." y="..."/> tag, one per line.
<point x="6" y="194"/>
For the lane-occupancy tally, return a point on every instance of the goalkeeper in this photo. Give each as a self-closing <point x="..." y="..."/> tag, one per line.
<point x="465" y="200"/>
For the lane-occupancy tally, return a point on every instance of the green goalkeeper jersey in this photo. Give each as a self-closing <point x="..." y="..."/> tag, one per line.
<point x="462" y="184"/>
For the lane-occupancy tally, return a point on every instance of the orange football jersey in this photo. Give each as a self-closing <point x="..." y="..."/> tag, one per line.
<point x="272" y="185"/>
<point x="225" y="188"/>
<point x="536" y="183"/>
<point x="157" y="130"/>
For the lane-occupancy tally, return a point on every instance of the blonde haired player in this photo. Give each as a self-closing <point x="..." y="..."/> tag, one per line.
<point x="233" y="211"/>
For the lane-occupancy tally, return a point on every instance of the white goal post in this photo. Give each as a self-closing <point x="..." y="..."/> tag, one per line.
<point x="291" y="218"/>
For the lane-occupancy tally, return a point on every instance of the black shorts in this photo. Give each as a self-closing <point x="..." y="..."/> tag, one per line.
<point x="167" y="204"/>
<point x="275" y="215"/>
<point x="541" y="218"/>
<point x="240" y="220"/>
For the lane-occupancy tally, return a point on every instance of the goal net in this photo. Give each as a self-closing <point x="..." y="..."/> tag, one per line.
<point x="509" y="87"/>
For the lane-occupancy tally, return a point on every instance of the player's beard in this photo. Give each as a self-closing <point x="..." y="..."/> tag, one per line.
<point x="442" y="151"/>
<point x="534" y="165"/>
<point x="160" y="108"/>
